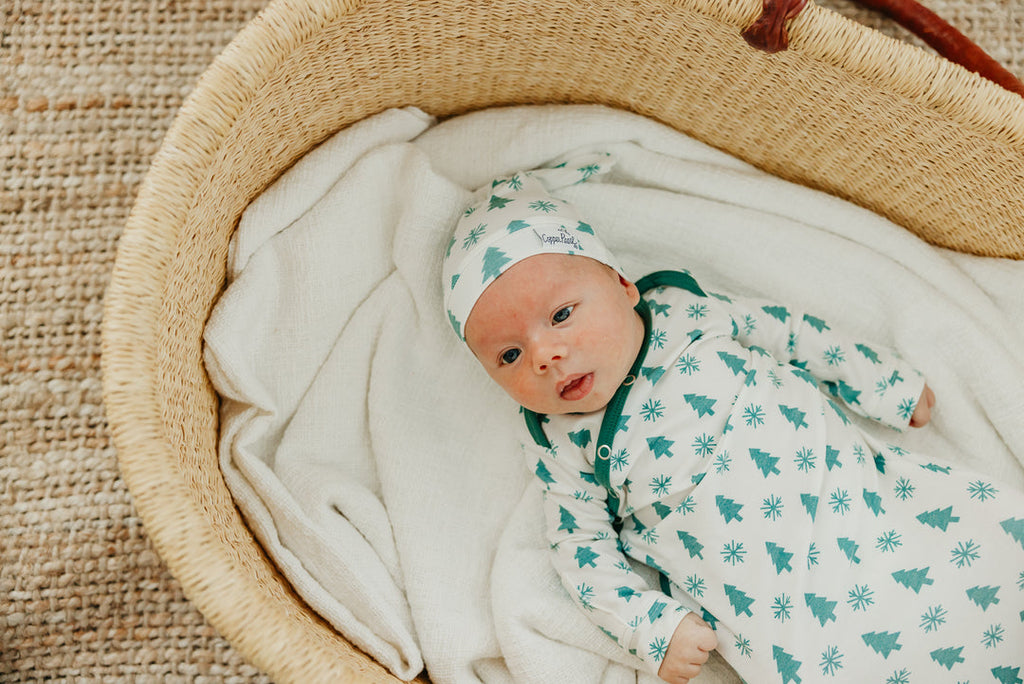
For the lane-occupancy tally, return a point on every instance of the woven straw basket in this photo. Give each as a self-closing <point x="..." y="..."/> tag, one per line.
<point x="844" y="109"/>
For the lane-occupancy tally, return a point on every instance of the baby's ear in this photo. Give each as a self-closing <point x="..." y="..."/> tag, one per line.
<point x="631" y="290"/>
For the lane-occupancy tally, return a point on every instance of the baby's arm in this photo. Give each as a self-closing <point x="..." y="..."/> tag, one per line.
<point x="689" y="649"/>
<point x="590" y="561"/>
<point x="868" y="378"/>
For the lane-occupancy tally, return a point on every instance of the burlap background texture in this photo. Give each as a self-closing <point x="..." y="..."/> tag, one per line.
<point x="87" y="90"/>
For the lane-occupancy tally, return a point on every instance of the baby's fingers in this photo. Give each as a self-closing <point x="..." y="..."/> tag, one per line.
<point x="680" y="674"/>
<point x="708" y="641"/>
<point x="923" y="411"/>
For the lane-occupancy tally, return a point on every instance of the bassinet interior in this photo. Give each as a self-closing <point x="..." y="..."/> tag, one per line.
<point x="844" y="109"/>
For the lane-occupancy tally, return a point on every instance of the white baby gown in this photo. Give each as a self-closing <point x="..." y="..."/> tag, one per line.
<point x="728" y="463"/>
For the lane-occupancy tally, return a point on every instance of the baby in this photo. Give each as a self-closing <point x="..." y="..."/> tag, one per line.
<point x="707" y="437"/>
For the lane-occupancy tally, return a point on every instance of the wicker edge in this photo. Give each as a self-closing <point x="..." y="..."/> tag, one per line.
<point x="918" y="75"/>
<point x="891" y="64"/>
<point x="923" y="79"/>
<point x="301" y="647"/>
<point x="180" y="530"/>
<point x="967" y="98"/>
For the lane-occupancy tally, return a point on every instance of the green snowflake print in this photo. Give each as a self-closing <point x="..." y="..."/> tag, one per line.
<point x="812" y="555"/>
<point x="771" y="507"/>
<point x="658" y="338"/>
<point x="1020" y="581"/>
<point x="688" y="505"/>
<point x="861" y="597"/>
<point x="904" y="489"/>
<point x="722" y="462"/>
<point x="782" y="608"/>
<point x="657" y="649"/>
<point x="589" y="170"/>
<point x="697" y="311"/>
<point x="695" y="586"/>
<point x="840" y="501"/>
<point x="906" y="408"/>
<point x="804" y="460"/>
<point x="586" y="595"/>
<point x="775" y="379"/>
<point x="901" y="676"/>
<point x="743" y="645"/>
<point x="965" y="553"/>
<point x="733" y="552"/>
<point x="687" y="365"/>
<point x="660" y="484"/>
<point x="992" y="636"/>
<point x="753" y="416"/>
<point x="650" y="535"/>
<point x="749" y="324"/>
<point x="831" y="661"/>
<point x="982" y="491"/>
<point x="619" y="460"/>
<point x="515" y="182"/>
<point x="704" y="445"/>
<point x="652" y="410"/>
<point x="834" y="356"/>
<point x="933" y="618"/>
<point x="889" y="541"/>
<point x="543" y="205"/>
<point x="474" y="236"/>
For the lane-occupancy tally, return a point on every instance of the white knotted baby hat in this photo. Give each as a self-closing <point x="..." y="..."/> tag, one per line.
<point x="517" y="218"/>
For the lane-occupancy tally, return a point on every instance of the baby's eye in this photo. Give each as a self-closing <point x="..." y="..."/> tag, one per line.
<point x="562" y="314"/>
<point x="509" y="356"/>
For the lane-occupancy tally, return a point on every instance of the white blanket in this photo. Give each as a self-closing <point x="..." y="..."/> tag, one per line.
<point x="381" y="469"/>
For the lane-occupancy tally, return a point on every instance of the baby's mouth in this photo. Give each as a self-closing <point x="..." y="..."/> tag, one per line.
<point x="577" y="387"/>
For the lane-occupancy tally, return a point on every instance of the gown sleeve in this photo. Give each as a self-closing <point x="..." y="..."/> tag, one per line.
<point x="588" y="556"/>
<point x="870" y="379"/>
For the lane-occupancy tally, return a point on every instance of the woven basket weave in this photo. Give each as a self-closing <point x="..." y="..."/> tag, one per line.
<point x="846" y="110"/>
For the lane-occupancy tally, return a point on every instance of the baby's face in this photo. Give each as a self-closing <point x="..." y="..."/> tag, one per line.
<point x="558" y="333"/>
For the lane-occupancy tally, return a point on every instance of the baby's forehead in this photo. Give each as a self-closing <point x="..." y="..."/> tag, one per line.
<point x="544" y="276"/>
<point x="538" y="272"/>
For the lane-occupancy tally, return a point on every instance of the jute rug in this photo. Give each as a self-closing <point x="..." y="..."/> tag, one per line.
<point x="87" y="90"/>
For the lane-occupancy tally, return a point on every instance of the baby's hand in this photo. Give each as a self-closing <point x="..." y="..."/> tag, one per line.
<point x="923" y="410"/>
<point x="689" y="648"/>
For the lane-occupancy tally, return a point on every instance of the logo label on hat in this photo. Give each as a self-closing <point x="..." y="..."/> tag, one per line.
<point x="561" y="237"/>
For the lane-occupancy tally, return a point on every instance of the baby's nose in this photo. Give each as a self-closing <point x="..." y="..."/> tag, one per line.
<point x="545" y="362"/>
<point x="547" y="355"/>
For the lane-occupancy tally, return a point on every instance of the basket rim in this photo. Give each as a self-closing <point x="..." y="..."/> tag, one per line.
<point x="925" y="77"/>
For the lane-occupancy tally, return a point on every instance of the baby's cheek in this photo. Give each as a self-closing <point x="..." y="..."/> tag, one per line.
<point x="519" y="387"/>
<point x="530" y="393"/>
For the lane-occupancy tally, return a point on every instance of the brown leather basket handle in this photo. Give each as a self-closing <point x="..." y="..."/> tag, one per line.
<point x="769" y="33"/>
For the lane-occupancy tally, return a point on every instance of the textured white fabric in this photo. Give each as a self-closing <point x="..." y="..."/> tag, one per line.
<point x="379" y="466"/>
